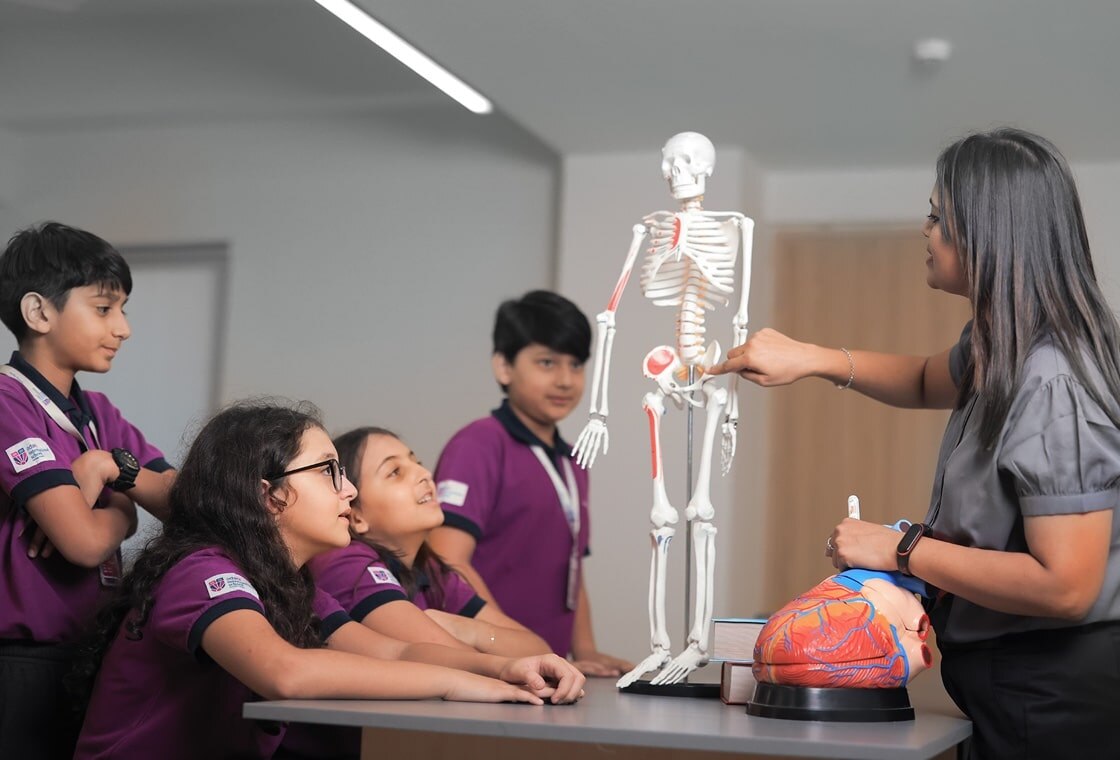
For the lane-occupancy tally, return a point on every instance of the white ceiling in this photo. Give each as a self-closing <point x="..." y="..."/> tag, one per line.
<point x="797" y="83"/>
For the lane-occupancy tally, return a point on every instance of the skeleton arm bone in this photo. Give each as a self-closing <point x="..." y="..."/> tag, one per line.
<point x="595" y="435"/>
<point x="739" y="328"/>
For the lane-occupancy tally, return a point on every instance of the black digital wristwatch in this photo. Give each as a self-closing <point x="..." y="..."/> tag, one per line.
<point x="129" y="469"/>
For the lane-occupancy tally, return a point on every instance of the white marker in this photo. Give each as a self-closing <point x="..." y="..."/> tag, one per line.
<point x="853" y="507"/>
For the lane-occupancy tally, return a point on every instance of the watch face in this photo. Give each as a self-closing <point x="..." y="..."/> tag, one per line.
<point x="916" y="531"/>
<point x="125" y="458"/>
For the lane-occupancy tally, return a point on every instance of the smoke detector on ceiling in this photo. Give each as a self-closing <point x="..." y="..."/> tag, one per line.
<point x="932" y="51"/>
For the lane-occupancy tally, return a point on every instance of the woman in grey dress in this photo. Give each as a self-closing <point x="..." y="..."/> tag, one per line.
<point x="1022" y="534"/>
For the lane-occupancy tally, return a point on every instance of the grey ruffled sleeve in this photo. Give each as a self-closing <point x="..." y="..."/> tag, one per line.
<point x="1061" y="451"/>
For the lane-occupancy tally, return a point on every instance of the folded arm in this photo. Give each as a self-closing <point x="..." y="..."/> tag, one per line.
<point x="85" y="537"/>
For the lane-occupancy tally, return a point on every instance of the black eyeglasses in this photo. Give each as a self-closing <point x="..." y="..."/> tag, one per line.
<point x="338" y="472"/>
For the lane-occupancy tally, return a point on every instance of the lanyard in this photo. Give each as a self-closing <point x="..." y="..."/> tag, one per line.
<point x="110" y="569"/>
<point x="51" y="408"/>
<point x="569" y="502"/>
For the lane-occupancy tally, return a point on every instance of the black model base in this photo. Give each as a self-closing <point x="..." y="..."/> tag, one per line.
<point x="845" y="705"/>
<point x="699" y="690"/>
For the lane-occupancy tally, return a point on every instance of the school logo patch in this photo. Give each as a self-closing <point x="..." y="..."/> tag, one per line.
<point x="452" y="492"/>
<point x="217" y="585"/>
<point x="28" y="453"/>
<point x="382" y="575"/>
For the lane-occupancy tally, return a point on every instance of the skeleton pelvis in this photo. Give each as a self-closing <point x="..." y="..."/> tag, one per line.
<point x="664" y="364"/>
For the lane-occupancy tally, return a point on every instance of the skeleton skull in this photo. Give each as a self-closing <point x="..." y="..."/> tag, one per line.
<point x="686" y="161"/>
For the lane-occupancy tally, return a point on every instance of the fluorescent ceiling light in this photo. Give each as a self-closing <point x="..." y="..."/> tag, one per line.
<point x="380" y="35"/>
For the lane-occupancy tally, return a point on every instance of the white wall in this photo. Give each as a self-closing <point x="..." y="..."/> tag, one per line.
<point x="602" y="197"/>
<point x="847" y="197"/>
<point x="899" y="196"/>
<point x="1099" y="185"/>
<point x="9" y="148"/>
<point x="368" y="253"/>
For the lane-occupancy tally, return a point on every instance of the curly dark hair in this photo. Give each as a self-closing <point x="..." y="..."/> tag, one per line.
<point x="351" y="447"/>
<point x="216" y="502"/>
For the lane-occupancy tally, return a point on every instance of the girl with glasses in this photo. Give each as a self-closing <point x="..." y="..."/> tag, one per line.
<point x="220" y="608"/>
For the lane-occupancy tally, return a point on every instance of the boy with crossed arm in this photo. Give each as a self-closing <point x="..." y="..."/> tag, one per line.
<point x="62" y="294"/>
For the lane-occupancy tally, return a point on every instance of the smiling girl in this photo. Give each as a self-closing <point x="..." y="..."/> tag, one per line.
<point x="388" y="578"/>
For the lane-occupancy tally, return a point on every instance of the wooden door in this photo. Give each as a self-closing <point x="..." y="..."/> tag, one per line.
<point x="865" y="290"/>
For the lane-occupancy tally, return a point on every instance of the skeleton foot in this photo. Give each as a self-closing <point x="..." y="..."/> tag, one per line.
<point x="683" y="664"/>
<point x="653" y="662"/>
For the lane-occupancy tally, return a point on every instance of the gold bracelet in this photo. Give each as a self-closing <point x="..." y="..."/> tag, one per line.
<point x="851" y="371"/>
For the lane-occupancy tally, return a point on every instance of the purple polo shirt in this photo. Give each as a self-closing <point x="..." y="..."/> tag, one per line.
<point x="492" y="486"/>
<point x="160" y="696"/>
<point x="361" y="581"/>
<point x="49" y="600"/>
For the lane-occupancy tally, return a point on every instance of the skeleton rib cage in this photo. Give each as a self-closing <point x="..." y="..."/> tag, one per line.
<point x="690" y="264"/>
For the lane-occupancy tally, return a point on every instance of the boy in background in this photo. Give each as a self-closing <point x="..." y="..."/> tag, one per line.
<point x="62" y="294"/>
<point x="514" y="502"/>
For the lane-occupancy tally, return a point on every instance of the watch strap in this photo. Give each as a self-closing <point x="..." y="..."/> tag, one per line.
<point x="129" y="468"/>
<point x="906" y="546"/>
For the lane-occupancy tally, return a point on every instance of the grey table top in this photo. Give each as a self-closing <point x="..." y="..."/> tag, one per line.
<point x="605" y="716"/>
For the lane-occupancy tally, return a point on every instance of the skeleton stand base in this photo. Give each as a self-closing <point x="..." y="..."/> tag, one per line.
<point x="684" y="689"/>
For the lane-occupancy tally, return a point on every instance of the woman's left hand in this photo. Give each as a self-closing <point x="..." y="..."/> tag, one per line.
<point x="546" y="675"/>
<point x="867" y="545"/>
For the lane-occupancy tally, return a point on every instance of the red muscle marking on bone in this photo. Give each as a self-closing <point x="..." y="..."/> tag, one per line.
<point x="654" y="453"/>
<point x="616" y="296"/>
<point x="658" y="360"/>
<point x="676" y="231"/>
<point x="829" y="636"/>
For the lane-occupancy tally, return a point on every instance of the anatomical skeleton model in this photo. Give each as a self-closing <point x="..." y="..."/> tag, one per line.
<point x="690" y="266"/>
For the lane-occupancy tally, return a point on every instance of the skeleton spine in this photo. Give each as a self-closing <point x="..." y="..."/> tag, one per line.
<point x="690" y="317"/>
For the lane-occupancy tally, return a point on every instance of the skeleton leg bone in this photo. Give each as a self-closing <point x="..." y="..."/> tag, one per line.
<point x="661" y="515"/>
<point x="660" y="645"/>
<point x="695" y="654"/>
<point x="703" y="537"/>
<point x="662" y="512"/>
<point x="700" y="505"/>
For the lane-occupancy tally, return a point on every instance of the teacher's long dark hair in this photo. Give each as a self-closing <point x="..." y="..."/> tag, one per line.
<point x="1010" y="205"/>
<point x="216" y="501"/>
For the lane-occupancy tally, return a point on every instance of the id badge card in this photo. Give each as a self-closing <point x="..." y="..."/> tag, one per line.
<point x="111" y="570"/>
<point x="573" y="581"/>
